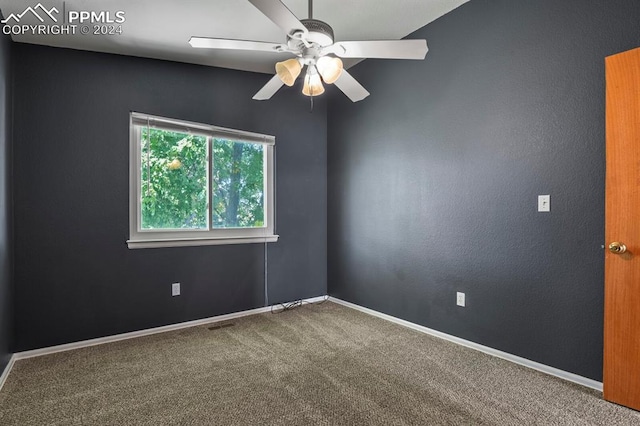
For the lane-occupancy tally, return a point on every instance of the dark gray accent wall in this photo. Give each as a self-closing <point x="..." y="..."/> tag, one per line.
<point x="75" y="278"/>
<point x="6" y="244"/>
<point x="433" y="179"/>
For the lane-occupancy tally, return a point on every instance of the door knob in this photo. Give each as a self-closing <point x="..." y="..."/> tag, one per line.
<point x="617" y="248"/>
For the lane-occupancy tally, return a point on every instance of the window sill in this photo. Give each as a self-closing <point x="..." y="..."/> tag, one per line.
<point x="186" y="242"/>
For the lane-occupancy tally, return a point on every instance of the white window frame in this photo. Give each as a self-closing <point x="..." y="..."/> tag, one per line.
<point x="152" y="238"/>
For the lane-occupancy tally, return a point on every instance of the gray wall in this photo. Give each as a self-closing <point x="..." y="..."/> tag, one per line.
<point x="433" y="179"/>
<point x="75" y="278"/>
<point x="5" y="202"/>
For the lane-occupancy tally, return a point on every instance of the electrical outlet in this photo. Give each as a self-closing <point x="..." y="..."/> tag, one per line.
<point x="460" y="299"/>
<point x="175" y="289"/>
<point x="544" y="203"/>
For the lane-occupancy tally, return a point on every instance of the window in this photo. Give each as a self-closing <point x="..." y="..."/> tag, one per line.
<point x="196" y="184"/>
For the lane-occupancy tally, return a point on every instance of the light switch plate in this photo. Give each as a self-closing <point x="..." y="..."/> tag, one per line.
<point x="544" y="203"/>
<point x="460" y="299"/>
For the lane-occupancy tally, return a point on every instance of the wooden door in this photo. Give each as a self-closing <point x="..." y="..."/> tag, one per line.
<point x="621" y="375"/>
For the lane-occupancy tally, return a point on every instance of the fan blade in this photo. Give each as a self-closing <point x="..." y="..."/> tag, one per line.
<point x="269" y="89"/>
<point x="351" y="87"/>
<point x="222" y="43"/>
<point x="383" y="49"/>
<point x="280" y="15"/>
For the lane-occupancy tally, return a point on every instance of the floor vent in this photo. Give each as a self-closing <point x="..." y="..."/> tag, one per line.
<point x="218" y="327"/>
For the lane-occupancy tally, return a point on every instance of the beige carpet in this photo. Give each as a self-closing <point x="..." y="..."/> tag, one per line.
<point x="316" y="365"/>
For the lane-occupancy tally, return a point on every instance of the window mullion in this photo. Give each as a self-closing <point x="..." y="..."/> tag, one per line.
<point x="210" y="182"/>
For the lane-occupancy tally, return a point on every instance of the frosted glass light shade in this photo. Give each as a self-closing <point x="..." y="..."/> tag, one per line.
<point x="312" y="85"/>
<point x="288" y="71"/>
<point x="329" y="68"/>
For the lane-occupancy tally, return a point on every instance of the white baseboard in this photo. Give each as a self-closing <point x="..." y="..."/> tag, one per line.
<point x="504" y="355"/>
<point x="147" y="332"/>
<point x="7" y="370"/>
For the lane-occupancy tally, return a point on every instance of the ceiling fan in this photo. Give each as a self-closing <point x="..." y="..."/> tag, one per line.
<point x="312" y="42"/>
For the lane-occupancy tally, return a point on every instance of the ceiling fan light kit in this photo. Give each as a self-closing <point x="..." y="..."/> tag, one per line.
<point x="329" y="68"/>
<point x="312" y="42"/>
<point x="312" y="82"/>
<point x="288" y="70"/>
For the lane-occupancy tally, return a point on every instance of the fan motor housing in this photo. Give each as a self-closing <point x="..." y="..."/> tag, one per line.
<point x="319" y="32"/>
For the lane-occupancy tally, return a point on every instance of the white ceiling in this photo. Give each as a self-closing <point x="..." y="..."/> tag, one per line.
<point x="161" y="28"/>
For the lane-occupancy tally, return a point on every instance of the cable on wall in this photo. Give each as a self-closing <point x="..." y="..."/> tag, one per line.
<point x="266" y="258"/>
<point x="275" y="190"/>
<point x="266" y="280"/>
<point x="296" y="304"/>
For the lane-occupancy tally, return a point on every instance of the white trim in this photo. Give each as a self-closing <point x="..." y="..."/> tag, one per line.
<point x="185" y="126"/>
<point x="155" y="238"/>
<point x="584" y="381"/>
<point x="157" y="243"/>
<point x="117" y="337"/>
<point x="485" y="349"/>
<point x="7" y="370"/>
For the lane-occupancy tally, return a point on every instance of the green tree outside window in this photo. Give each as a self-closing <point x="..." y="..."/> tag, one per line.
<point x="174" y="182"/>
